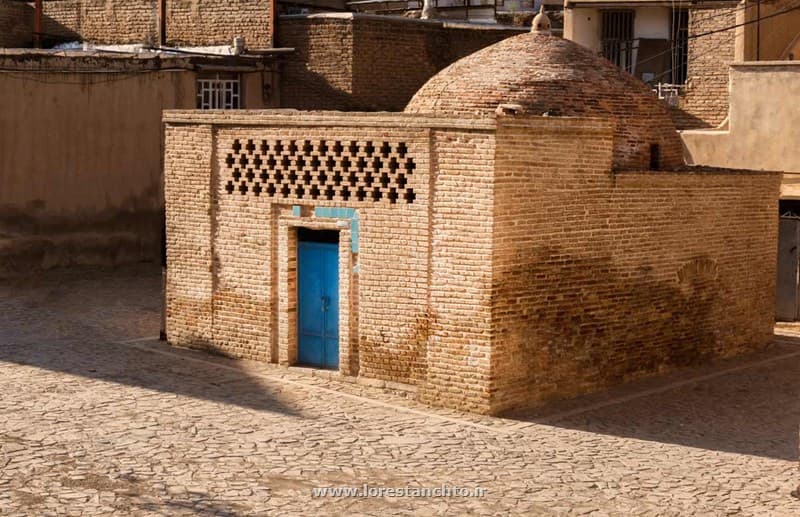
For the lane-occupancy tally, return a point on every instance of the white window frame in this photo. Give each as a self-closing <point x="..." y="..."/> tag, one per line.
<point x="219" y="91"/>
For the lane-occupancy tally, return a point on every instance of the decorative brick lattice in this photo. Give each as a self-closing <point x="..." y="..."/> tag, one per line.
<point x="329" y="170"/>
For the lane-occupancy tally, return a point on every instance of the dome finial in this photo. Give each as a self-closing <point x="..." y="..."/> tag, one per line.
<point x="541" y="22"/>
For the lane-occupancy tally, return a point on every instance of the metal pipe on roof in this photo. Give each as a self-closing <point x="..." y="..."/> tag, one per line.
<point x="37" y="24"/>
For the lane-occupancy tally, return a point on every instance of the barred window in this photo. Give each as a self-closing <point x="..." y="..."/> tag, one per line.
<point x="218" y="91"/>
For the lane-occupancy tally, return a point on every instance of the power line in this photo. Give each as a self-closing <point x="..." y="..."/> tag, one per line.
<point x="715" y="31"/>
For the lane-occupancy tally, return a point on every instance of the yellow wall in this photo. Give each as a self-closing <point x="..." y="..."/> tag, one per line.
<point x="763" y="125"/>
<point x="81" y="162"/>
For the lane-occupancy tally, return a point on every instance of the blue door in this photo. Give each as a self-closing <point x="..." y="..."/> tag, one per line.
<point x="318" y="304"/>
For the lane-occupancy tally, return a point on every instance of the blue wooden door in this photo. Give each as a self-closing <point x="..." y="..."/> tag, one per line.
<point x="318" y="304"/>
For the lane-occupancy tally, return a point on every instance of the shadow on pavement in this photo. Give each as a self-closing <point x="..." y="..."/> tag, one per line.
<point x="68" y="320"/>
<point x="753" y="410"/>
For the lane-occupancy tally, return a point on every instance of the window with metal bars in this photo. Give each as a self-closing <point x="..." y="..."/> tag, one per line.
<point x="219" y="91"/>
<point x="617" y="37"/>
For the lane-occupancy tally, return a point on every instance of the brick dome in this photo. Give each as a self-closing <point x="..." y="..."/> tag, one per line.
<point x="547" y="74"/>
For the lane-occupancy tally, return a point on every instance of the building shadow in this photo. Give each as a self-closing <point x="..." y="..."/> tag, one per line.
<point x="747" y="405"/>
<point x="74" y="321"/>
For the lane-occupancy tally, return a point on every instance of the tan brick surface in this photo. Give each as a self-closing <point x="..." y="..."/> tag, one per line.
<point x="705" y="102"/>
<point x="523" y="270"/>
<point x="189" y="22"/>
<point x="365" y="62"/>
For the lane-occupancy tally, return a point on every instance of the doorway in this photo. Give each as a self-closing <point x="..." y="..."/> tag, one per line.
<point x="318" y="298"/>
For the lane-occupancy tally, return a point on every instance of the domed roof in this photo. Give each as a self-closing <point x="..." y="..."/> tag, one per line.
<point x="546" y="74"/>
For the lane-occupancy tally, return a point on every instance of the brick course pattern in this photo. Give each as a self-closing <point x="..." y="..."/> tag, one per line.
<point x="16" y="24"/>
<point x="557" y="77"/>
<point x="705" y="100"/>
<point x="524" y="270"/>
<point x="217" y="22"/>
<point x="367" y="62"/>
<point x="189" y="22"/>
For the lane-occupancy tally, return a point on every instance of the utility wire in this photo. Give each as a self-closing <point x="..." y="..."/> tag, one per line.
<point x="715" y="31"/>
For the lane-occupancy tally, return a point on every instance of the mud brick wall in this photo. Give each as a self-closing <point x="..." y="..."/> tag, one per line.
<point x="217" y="22"/>
<point x="16" y="24"/>
<point x="367" y="62"/>
<point x="601" y="279"/>
<point x="705" y="101"/>
<point x="102" y="21"/>
<point x="319" y="75"/>
<point x="189" y="22"/>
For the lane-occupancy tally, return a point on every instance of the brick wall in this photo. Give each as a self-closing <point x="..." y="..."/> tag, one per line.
<point x="188" y="156"/>
<point x="319" y="75"/>
<point x="459" y="347"/>
<point x="217" y="22"/>
<point x="102" y="21"/>
<point x="705" y="102"/>
<point x="16" y="24"/>
<point x="366" y="62"/>
<point x="523" y="270"/>
<point x="600" y="279"/>
<point x="189" y="22"/>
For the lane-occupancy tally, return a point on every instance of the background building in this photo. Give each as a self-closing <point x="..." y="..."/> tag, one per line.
<point x="91" y="107"/>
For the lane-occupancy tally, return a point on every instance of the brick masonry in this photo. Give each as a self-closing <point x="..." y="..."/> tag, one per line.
<point x="602" y="278"/>
<point x="522" y="270"/>
<point x="547" y="75"/>
<point x="705" y="100"/>
<point x="189" y="22"/>
<point x="367" y="62"/>
<point x="16" y="24"/>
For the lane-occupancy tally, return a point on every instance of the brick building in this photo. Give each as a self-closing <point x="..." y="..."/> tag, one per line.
<point x="518" y="234"/>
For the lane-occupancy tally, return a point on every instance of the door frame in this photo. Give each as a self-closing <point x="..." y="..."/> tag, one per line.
<point x="287" y="289"/>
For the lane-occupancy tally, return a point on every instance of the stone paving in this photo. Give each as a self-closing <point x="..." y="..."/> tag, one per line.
<point x="93" y="426"/>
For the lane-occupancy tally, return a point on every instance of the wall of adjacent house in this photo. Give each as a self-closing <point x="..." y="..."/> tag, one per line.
<point x="705" y="99"/>
<point x="102" y="21"/>
<point x="217" y="22"/>
<point x="16" y="24"/>
<point x="600" y="279"/>
<point x="80" y="170"/>
<point x="582" y="25"/>
<point x="761" y="132"/>
<point x="188" y="22"/>
<point x="366" y="62"/>
<point x="777" y="31"/>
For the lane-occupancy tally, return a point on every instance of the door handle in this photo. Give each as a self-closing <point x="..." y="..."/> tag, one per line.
<point x="325" y="302"/>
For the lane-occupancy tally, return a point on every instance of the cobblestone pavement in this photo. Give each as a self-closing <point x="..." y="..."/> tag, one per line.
<point x="89" y="426"/>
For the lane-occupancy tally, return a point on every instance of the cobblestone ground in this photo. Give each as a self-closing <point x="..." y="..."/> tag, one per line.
<point x="92" y="426"/>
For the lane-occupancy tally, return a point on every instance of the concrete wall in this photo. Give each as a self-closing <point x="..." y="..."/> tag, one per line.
<point x="763" y="127"/>
<point x="188" y="22"/>
<point x="16" y="24"/>
<point x="367" y="62"/>
<point x="80" y="159"/>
